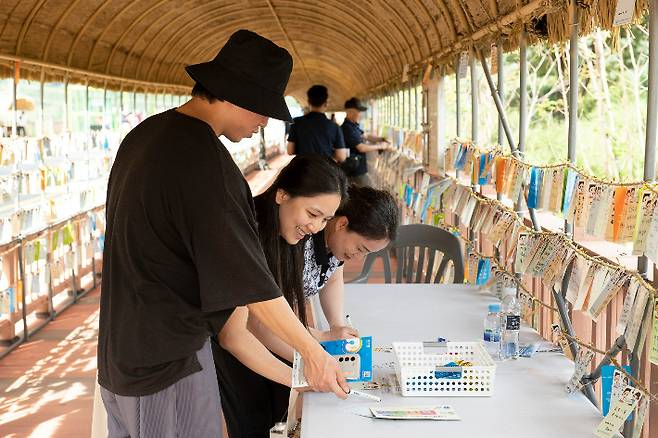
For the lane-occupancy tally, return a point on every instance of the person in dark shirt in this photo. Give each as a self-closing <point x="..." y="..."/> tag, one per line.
<point x="356" y="166"/>
<point x="182" y="251"/>
<point x="254" y="384"/>
<point x="313" y="133"/>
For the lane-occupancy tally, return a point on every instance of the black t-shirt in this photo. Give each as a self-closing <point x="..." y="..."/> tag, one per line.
<point x="181" y="252"/>
<point x="353" y="135"/>
<point x="313" y="133"/>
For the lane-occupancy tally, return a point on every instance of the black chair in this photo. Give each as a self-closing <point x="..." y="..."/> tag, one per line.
<point x="413" y="266"/>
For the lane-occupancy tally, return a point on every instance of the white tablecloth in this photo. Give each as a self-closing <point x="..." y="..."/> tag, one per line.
<point x="529" y="398"/>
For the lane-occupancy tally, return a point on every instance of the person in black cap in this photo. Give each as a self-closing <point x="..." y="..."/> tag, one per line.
<point x="356" y="166"/>
<point x="313" y="133"/>
<point x="182" y="251"/>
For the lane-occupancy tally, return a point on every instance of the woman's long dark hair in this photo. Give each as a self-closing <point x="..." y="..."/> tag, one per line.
<point x="304" y="176"/>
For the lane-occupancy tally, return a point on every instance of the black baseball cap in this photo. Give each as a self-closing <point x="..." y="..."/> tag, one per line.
<point x="356" y="104"/>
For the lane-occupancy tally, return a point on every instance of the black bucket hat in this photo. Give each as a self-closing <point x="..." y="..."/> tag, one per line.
<point x="356" y="104"/>
<point x="249" y="71"/>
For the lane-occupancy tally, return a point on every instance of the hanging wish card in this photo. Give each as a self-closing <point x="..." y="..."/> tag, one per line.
<point x="653" y="352"/>
<point x="651" y="246"/>
<point x="517" y="181"/>
<point x="613" y="285"/>
<point x="629" y="299"/>
<point x="629" y="214"/>
<point x="604" y="208"/>
<point x="601" y="277"/>
<point x="645" y="327"/>
<point x="614" y="226"/>
<point x="536" y="175"/>
<point x="501" y="164"/>
<point x="541" y="261"/>
<point x="583" y="293"/>
<point x="523" y="245"/>
<point x="569" y="192"/>
<point x="501" y="227"/>
<point x="491" y="219"/>
<point x="645" y="214"/>
<point x="581" y="209"/>
<point x="636" y="316"/>
<point x="472" y="268"/>
<point x="535" y="253"/>
<point x="557" y="187"/>
<point x="547" y="187"/>
<point x="556" y="268"/>
<point x="619" y="412"/>
<point x="643" y="407"/>
<point x="512" y="237"/>
<point x="583" y="360"/>
<point x="468" y="211"/>
<point x="595" y="194"/>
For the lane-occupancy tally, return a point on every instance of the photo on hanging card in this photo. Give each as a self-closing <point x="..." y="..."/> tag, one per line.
<point x="612" y="381"/>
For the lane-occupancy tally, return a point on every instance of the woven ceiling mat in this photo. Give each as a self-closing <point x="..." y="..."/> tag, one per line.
<point x="351" y="47"/>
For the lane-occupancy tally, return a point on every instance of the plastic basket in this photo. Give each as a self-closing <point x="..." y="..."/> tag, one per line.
<point x="421" y="374"/>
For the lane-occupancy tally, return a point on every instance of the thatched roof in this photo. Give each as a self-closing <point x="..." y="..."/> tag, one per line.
<point x="352" y="47"/>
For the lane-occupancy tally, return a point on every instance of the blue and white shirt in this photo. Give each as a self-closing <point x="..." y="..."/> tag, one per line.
<point x="319" y="265"/>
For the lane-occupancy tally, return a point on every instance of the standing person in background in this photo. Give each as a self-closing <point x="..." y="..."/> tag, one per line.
<point x="182" y="251"/>
<point x="313" y="133"/>
<point x="356" y="166"/>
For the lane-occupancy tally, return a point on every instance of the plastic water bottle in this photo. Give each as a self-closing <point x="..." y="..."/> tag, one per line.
<point x="510" y="324"/>
<point x="492" y="331"/>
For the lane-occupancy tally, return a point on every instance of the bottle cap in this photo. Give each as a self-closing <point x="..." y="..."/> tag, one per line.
<point x="494" y="308"/>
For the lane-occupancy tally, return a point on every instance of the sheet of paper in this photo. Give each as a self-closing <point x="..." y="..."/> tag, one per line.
<point x="444" y="413"/>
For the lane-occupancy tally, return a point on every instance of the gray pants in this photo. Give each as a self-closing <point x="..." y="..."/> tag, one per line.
<point x="189" y="408"/>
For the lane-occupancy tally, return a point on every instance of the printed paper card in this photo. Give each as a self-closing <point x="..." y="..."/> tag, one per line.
<point x="557" y="266"/>
<point x="612" y="382"/>
<point x="629" y="299"/>
<point x="653" y="352"/>
<point x="522" y="250"/>
<point x="606" y="203"/>
<point x="651" y="245"/>
<point x="545" y="196"/>
<point x="557" y="188"/>
<point x="583" y="360"/>
<point x="553" y="245"/>
<point x="642" y="409"/>
<point x="601" y="276"/>
<point x="620" y="411"/>
<point x="645" y="327"/>
<point x="536" y="175"/>
<point x="636" y="316"/>
<point x="577" y="279"/>
<point x="581" y="209"/>
<point x="569" y="192"/>
<point x="583" y="293"/>
<point x="501" y="164"/>
<point x="629" y="215"/>
<point x="614" y="228"/>
<point x="440" y="413"/>
<point x="645" y="214"/>
<point x="517" y="181"/>
<point x="594" y="195"/>
<point x="613" y="285"/>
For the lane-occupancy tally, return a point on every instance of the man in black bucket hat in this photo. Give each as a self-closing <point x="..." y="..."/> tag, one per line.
<point x="182" y="251"/>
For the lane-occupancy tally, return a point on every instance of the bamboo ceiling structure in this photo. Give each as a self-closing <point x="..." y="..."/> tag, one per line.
<point x="353" y="47"/>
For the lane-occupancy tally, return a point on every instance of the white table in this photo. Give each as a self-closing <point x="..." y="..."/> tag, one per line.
<point x="529" y="397"/>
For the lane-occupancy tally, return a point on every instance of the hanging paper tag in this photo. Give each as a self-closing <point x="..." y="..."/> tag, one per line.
<point x="585" y="356"/>
<point x="642" y="409"/>
<point x="501" y="164"/>
<point x="645" y="214"/>
<point x="653" y="352"/>
<point x="629" y="299"/>
<point x="585" y="286"/>
<point x="636" y="317"/>
<point x="534" y="187"/>
<point x="581" y="210"/>
<point x="463" y="65"/>
<point x="557" y="189"/>
<point x="604" y="218"/>
<point x="545" y="197"/>
<point x="612" y="422"/>
<point x="484" y="268"/>
<point x="624" y="12"/>
<point x="629" y="215"/>
<point x="569" y="191"/>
